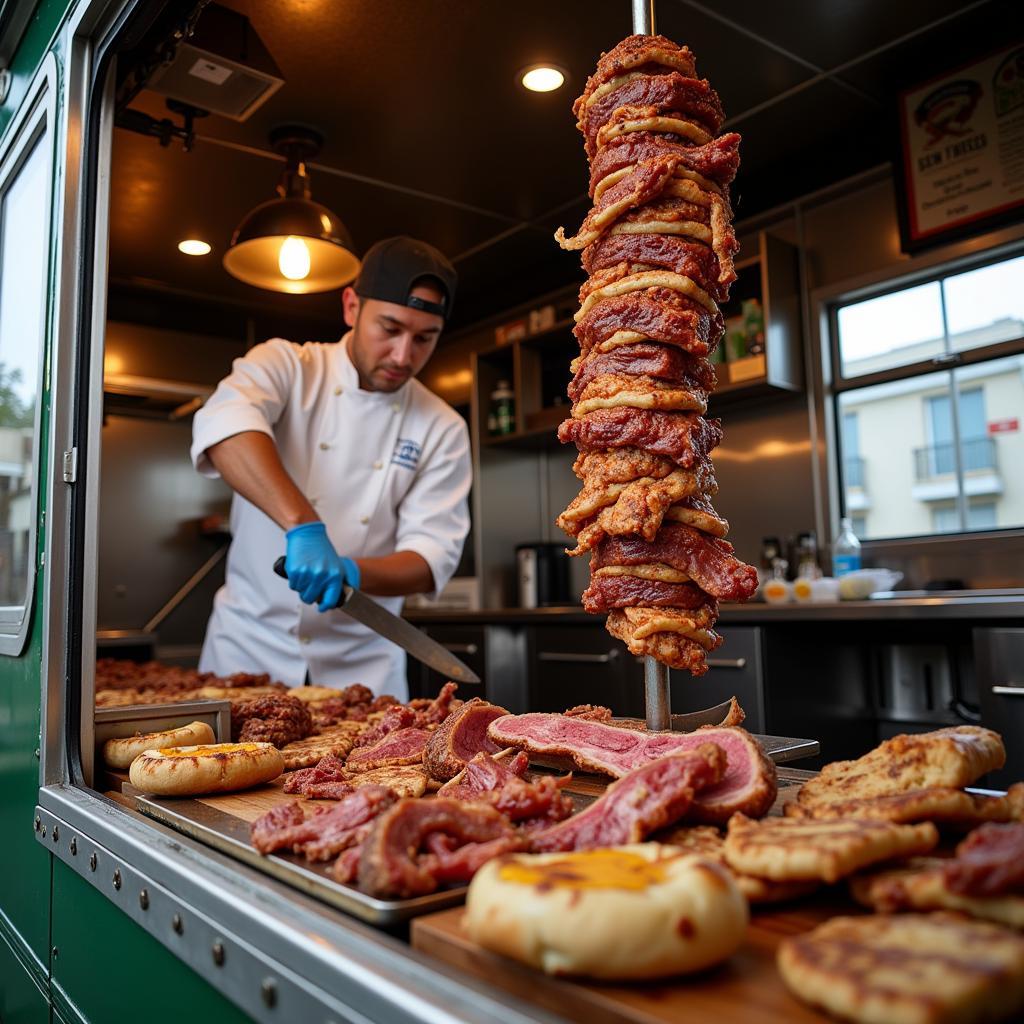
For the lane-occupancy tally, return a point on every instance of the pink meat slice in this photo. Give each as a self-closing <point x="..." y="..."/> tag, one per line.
<point x="648" y="798"/>
<point x="462" y="735"/>
<point x="750" y="783"/>
<point x="404" y="746"/>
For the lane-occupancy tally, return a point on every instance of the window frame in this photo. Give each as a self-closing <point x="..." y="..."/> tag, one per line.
<point x="824" y="385"/>
<point x="33" y="127"/>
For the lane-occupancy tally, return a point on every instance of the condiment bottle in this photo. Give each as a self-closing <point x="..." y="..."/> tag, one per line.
<point x="846" y="550"/>
<point x="501" y="418"/>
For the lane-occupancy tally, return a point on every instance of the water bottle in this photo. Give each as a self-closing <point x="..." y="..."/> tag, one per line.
<point x="502" y="416"/>
<point x="846" y="550"/>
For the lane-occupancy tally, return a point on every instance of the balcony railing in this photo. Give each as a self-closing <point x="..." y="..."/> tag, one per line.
<point x="976" y="454"/>
<point x="854" y="473"/>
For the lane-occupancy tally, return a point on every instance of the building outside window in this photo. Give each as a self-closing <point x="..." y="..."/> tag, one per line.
<point x="929" y="404"/>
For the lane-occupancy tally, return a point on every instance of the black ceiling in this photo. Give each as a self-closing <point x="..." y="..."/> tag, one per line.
<point x="428" y="132"/>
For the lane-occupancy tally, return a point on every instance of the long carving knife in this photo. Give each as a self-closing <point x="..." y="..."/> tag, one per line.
<point x="398" y="631"/>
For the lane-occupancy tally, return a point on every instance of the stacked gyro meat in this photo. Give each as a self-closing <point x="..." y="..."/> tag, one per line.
<point x="658" y="247"/>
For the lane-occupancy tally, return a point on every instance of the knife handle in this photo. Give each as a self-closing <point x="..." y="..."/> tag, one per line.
<point x="279" y="568"/>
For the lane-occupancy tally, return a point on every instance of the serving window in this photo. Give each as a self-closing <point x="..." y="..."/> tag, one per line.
<point x="929" y="404"/>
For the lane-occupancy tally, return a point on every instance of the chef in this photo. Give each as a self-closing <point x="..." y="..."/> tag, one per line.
<point x="341" y="459"/>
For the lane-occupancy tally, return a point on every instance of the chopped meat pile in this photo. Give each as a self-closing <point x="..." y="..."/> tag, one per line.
<point x="462" y="735"/>
<point x="276" y="719"/>
<point x="658" y="248"/>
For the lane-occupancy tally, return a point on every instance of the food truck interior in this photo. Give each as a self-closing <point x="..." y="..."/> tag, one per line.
<point x="871" y="383"/>
<point x="417" y="123"/>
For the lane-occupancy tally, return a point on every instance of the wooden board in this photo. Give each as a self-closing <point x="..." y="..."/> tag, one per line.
<point x="746" y="988"/>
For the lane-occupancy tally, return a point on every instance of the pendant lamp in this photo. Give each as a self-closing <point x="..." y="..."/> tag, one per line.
<point x="292" y="244"/>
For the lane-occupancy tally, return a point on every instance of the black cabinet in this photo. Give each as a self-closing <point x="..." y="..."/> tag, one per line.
<point x="999" y="658"/>
<point x="468" y="644"/>
<point x="734" y="670"/>
<point x="580" y="664"/>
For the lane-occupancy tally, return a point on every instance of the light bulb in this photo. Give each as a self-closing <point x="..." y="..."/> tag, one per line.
<point x="542" y="78"/>
<point x="194" y="247"/>
<point x="293" y="259"/>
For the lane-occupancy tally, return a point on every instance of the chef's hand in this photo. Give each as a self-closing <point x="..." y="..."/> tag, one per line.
<point x="315" y="570"/>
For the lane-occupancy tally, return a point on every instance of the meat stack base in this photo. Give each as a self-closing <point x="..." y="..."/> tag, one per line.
<point x="658" y="247"/>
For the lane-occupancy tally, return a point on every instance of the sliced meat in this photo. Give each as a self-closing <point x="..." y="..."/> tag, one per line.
<point x="488" y="781"/>
<point x="706" y="560"/>
<point x="398" y="716"/>
<point x="462" y="735"/>
<point x="989" y="862"/>
<point x="323" y="835"/>
<point x="608" y="592"/>
<point x="650" y="797"/>
<point x="327" y="769"/>
<point x="686" y="438"/>
<point x="750" y="782"/>
<point x="392" y="864"/>
<point x="404" y="746"/>
<point x="663" y="362"/>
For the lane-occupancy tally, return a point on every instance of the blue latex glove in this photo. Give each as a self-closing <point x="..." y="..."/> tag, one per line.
<point x="316" y="572"/>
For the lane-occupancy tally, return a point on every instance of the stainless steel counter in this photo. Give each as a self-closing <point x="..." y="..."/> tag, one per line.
<point x="984" y="605"/>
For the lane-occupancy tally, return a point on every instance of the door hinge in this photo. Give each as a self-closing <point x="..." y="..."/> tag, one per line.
<point x="70" y="466"/>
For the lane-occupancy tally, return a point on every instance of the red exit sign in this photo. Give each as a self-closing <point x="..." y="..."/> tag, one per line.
<point x="1004" y="426"/>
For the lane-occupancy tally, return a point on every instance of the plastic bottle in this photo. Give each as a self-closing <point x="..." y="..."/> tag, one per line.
<point x="501" y="418"/>
<point x="846" y="550"/>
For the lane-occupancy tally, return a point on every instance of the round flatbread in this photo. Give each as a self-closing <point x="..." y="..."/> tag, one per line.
<point x="120" y="752"/>
<point x="638" y="911"/>
<point x="207" y="768"/>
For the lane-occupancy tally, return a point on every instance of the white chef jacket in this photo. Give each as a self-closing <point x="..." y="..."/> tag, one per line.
<point x="385" y="472"/>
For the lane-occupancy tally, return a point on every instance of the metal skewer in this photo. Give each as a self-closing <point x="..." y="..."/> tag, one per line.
<point x="657" y="692"/>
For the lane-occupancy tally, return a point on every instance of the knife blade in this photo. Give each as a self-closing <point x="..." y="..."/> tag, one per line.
<point x="412" y="640"/>
<point x="695" y="719"/>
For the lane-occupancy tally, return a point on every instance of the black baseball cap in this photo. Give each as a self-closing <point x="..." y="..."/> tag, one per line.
<point x="393" y="267"/>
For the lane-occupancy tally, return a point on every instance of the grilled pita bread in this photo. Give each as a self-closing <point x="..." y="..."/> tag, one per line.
<point x="333" y="739"/>
<point x="788" y="850"/>
<point x="907" y="969"/>
<point x="955" y="757"/>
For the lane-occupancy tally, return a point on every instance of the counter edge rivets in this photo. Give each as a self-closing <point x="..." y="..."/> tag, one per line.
<point x="117" y="878"/>
<point x="38" y="823"/>
<point x="217" y="950"/>
<point x="144" y="899"/>
<point x="177" y="924"/>
<point x="73" y="847"/>
<point x="268" y="992"/>
<point x="92" y="861"/>
<point x="42" y="831"/>
<point x="56" y="834"/>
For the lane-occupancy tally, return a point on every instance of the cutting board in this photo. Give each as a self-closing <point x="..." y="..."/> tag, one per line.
<point x="746" y="988"/>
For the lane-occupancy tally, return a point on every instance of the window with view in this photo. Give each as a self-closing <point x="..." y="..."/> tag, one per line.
<point x="929" y="395"/>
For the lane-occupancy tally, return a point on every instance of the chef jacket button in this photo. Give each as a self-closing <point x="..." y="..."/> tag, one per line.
<point x="396" y="406"/>
<point x="364" y="519"/>
<point x="324" y="446"/>
<point x="378" y="465"/>
<point x="337" y="391"/>
<point x="304" y="639"/>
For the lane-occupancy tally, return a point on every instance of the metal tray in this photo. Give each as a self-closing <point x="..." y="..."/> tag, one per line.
<point x="230" y="835"/>
<point x="129" y="719"/>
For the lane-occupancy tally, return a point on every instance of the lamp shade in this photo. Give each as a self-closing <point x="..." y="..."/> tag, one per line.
<point x="293" y="245"/>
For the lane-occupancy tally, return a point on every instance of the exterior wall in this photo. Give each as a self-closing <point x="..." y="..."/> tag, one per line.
<point x="892" y="428"/>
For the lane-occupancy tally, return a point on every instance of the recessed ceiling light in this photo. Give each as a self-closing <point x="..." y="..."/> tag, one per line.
<point x="194" y="247"/>
<point x="542" y="77"/>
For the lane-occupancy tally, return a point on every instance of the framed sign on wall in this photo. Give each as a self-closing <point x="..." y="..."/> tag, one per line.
<point x="963" y="151"/>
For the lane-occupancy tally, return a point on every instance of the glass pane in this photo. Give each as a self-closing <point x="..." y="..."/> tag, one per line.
<point x="899" y="475"/>
<point x="892" y="330"/>
<point x="986" y="306"/>
<point x="992" y="443"/>
<point x="23" y="264"/>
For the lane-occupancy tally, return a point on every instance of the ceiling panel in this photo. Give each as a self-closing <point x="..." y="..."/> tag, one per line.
<point x="830" y="32"/>
<point x="423" y="97"/>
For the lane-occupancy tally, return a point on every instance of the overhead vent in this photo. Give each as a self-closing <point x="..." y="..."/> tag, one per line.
<point x="223" y="67"/>
<point x="152" y="398"/>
